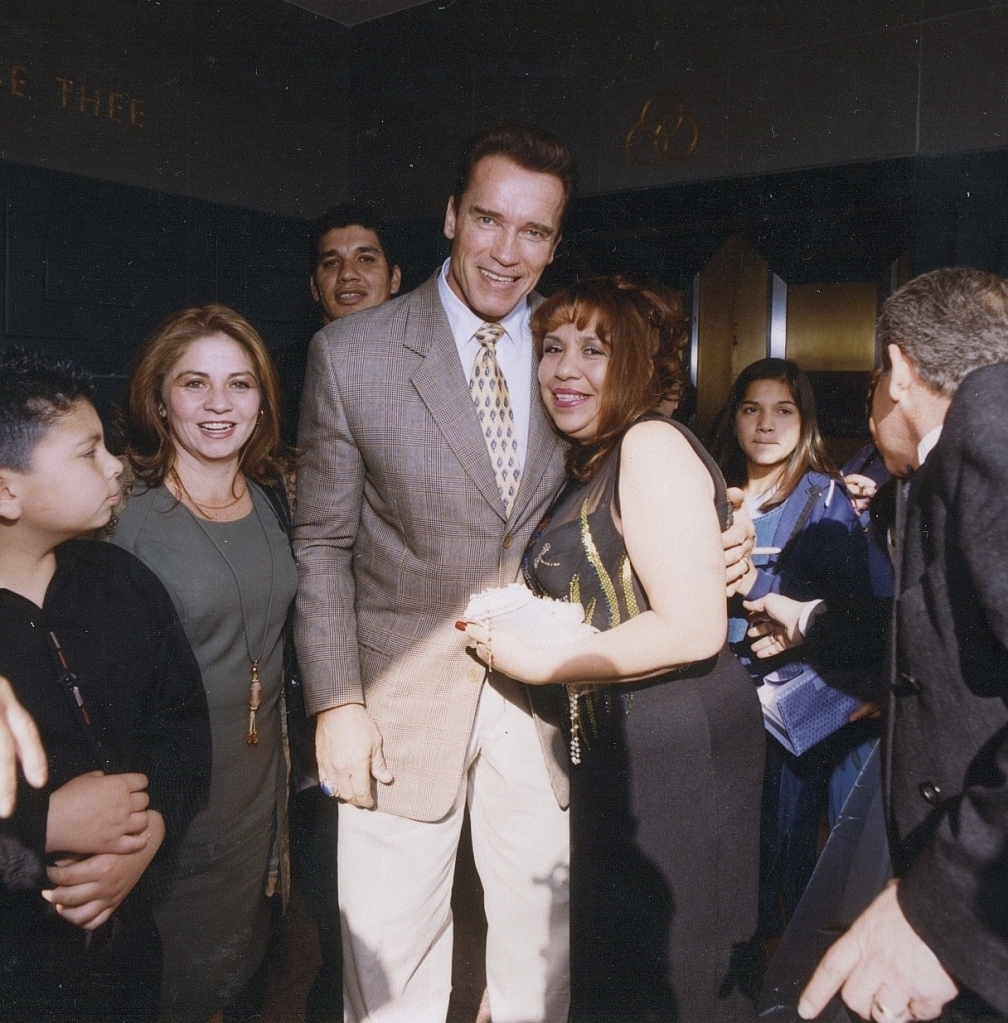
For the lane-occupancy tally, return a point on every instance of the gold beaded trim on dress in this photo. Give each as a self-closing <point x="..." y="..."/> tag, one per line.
<point x="574" y="695"/>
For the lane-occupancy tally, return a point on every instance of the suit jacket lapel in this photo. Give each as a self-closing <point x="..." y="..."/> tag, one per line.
<point x="542" y="443"/>
<point x="444" y="389"/>
<point x="900" y="527"/>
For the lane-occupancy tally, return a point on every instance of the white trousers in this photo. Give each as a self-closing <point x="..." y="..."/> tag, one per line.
<point x="395" y="881"/>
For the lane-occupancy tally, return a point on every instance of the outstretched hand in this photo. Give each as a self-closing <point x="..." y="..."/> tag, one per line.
<point x="881" y="968"/>
<point x="861" y="490"/>
<point x="19" y="742"/>
<point x="773" y="624"/>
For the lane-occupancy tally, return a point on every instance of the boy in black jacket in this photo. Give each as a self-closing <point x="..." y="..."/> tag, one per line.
<point x="94" y="651"/>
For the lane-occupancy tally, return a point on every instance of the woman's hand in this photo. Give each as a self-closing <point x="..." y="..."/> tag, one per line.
<point x="738" y="542"/>
<point x="866" y="710"/>
<point x="512" y="656"/>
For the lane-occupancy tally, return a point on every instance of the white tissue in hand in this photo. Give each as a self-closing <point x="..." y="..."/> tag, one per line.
<point x="538" y="620"/>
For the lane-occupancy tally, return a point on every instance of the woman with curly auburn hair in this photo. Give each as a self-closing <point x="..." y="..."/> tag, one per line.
<point x="202" y="435"/>
<point x="665" y="732"/>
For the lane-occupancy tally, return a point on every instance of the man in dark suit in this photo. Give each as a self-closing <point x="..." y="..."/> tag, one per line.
<point x="935" y="941"/>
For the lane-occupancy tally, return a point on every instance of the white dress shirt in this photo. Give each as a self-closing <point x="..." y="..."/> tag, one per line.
<point x="514" y="351"/>
<point x="927" y="444"/>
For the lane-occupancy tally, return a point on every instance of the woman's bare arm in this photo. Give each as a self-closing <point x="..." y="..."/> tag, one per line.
<point x="671" y="533"/>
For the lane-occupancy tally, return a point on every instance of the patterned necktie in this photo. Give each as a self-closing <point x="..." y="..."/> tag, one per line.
<point x="493" y="405"/>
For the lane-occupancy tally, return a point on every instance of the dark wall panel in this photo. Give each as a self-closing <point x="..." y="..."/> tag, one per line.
<point x="91" y="267"/>
<point x="236" y="101"/>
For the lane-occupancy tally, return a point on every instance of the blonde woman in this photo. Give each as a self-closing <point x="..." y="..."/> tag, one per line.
<point x="203" y="440"/>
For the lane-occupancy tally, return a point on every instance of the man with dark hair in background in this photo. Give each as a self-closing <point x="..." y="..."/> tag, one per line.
<point x="940" y="417"/>
<point x="350" y="265"/>
<point x="349" y="270"/>
<point x="403" y="514"/>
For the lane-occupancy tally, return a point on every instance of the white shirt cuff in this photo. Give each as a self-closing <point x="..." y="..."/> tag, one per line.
<point x="808" y="612"/>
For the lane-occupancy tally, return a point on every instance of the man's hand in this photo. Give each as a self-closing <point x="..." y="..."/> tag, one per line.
<point x="19" y="741"/>
<point x="861" y="489"/>
<point x="865" y="710"/>
<point x="89" y="891"/>
<point x="881" y="968"/>
<point x="99" y="813"/>
<point x="348" y="746"/>
<point x="774" y="624"/>
<point x="738" y="542"/>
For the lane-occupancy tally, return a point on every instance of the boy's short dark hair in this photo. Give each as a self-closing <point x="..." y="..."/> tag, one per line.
<point x="34" y="390"/>
<point x="531" y="149"/>
<point x="363" y="212"/>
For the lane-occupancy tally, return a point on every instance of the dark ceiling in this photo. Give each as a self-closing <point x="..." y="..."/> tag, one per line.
<point x="355" y="12"/>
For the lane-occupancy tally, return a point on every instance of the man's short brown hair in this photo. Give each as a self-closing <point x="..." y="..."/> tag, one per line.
<point x="530" y="149"/>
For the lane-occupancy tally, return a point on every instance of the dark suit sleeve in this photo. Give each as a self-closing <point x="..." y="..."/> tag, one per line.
<point x="955" y="894"/>
<point x="847" y="643"/>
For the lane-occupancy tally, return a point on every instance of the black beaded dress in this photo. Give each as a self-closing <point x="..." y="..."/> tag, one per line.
<point x="665" y="798"/>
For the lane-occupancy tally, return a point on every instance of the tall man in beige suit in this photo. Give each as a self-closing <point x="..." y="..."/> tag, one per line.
<point x="413" y="493"/>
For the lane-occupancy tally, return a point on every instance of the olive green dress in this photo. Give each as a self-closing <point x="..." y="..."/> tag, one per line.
<point x="215" y="922"/>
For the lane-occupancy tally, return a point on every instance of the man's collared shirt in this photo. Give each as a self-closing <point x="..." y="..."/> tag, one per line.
<point x="514" y="351"/>
<point x="927" y="444"/>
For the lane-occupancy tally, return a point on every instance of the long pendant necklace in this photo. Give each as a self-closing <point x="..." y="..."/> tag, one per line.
<point x="255" y="686"/>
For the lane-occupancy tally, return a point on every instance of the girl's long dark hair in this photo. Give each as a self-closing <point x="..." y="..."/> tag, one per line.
<point x="809" y="453"/>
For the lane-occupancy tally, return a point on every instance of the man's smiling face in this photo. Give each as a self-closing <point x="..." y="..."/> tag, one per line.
<point x="351" y="272"/>
<point x="504" y="233"/>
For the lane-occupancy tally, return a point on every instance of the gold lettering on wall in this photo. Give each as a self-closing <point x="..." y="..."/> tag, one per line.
<point x="65" y="84"/>
<point x="86" y="100"/>
<point x="82" y="98"/>
<point x="664" y="131"/>
<point x="18" y="81"/>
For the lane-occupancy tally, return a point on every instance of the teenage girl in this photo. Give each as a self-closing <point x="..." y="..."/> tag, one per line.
<point x="809" y="544"/>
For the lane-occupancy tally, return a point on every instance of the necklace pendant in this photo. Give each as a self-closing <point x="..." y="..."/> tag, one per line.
<point x="254" y="700"/>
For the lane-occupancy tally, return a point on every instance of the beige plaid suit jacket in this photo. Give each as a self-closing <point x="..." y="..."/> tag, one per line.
<point x="398" y="521"/>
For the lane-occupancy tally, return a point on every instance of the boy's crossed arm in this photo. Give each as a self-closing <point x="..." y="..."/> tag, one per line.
<point x="106" y="820"/>
<point x="89" y="891"/>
